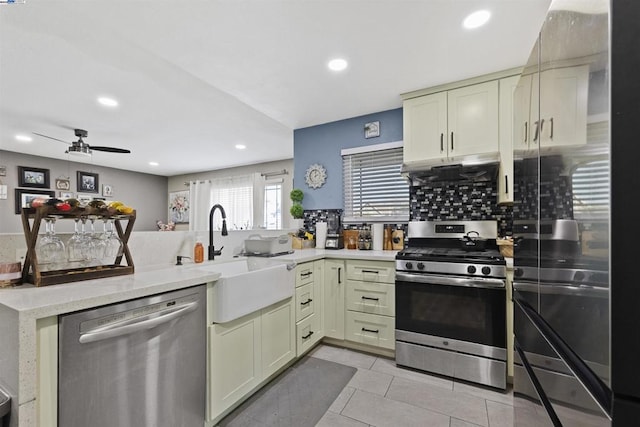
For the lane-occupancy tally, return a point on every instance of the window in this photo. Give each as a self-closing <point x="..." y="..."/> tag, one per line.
<point x="273" y="206"/>
<point x="236" y="195"/>
<point x="374" y="189"/>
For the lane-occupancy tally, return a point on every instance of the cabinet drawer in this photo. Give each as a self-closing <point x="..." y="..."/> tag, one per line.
<point x="371" y="329"/>
<point x="305" y="304"/>
<point x="307" y="333"/>
<point x="304" y="274"/>
<point x="371" y="271"/>
<point x="369" y="297"/>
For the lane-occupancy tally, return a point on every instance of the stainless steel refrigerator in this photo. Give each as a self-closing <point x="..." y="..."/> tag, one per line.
<point x="576" y="291"/>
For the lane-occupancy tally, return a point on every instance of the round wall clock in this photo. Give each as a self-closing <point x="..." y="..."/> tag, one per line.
<point x="315" y="176"/>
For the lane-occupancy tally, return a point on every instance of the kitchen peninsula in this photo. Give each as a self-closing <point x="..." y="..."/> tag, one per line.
<point x="29" y="314"/>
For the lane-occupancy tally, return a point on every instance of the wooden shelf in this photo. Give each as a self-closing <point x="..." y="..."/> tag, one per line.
<point x="31" y="220"/>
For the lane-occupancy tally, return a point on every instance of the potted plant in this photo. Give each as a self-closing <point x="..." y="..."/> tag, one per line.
<point x="297" y="212"/>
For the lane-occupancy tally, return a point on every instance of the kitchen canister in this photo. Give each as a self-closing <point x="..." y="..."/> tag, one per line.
<point x="378" y="236"/>
<point x="321" y="234"/>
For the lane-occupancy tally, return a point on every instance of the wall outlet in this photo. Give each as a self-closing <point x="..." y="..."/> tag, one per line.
<point x="21" y="254"/>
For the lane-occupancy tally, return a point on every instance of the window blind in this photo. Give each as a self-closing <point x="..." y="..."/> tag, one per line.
<point x="591" y="190"/>
<point x="374" y="189"/>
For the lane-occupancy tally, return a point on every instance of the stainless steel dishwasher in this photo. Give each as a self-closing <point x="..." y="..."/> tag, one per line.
<point x="139" y="363"/>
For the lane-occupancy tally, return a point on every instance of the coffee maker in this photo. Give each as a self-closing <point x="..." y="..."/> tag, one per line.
<point x="334" y="231"/>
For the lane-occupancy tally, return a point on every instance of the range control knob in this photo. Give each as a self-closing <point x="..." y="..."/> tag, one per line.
<point x="420" y="266"/>
<point x="518" y="272"/>
<point x="409" y="265"/>
<point x="486" y="270"/>
<point x="471" y="269"/>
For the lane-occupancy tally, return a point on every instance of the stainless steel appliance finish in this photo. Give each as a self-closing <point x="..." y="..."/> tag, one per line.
<point x="576" y="361"/>
<point x="5" y="405"/>
<point x="134" y="364"/>
<point x="450" y="303"/>
<point x="334" y="231"/>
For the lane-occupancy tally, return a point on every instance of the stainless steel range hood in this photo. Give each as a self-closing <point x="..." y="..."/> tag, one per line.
<point x="480" y="167"/>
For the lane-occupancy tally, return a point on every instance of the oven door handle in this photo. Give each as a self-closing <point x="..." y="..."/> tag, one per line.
<point x="467" y="282"/>
<point x="562" y="289"/>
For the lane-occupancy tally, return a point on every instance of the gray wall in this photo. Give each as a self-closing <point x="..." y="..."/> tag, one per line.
<point x="146" y="193"/>
<point x="322" y="144"/>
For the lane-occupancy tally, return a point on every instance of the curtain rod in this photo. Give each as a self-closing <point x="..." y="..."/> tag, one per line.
<point x="280" y="172"/>
<point x="187" y="183"/>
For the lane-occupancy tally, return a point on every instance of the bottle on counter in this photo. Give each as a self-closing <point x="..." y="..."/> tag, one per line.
<point x="198" y="253"/>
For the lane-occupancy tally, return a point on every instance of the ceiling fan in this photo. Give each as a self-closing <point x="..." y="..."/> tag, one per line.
<point x="81" y="147"/>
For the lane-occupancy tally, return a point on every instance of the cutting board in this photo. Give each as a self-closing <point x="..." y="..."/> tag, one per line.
<point x="397" y="239"/>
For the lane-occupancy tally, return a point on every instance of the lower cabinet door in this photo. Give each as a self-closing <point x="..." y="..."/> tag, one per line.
<point x="278" y="336"/>
<point x="234" y="362"/>
<point x="308" y="333"/>
<point x="371" y="329"/>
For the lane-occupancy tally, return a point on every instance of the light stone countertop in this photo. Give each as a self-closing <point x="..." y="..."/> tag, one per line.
<point x="305" y="255"/>
<point x="40" y="302"/>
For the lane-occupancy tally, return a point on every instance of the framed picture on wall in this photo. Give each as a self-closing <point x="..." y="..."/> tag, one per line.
<point x="33" y="177"/>
<point x="63" y="184"/>
<point x="179" y="207"/>
<point x="87" y="182"/>
<point x="107" y="190"/>
<point x="24" y="197"/>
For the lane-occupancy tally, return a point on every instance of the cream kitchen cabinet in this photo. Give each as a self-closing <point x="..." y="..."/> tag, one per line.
<point x="333" y="300"/>
<point x="308" y="305"/>
<point x="559" y="117"/>
<point x="244" y="353"/>
<point x="444" y="126"/>
<point x="508" y="87"/>
<point x="370" y="303"/>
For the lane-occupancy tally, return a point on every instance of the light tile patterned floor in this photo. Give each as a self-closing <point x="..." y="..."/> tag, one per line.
<point x="381" y="394"/>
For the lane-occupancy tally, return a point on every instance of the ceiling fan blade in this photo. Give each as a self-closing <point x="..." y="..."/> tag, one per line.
<point x="110" y="149"/>
<point x="50" y="137"/>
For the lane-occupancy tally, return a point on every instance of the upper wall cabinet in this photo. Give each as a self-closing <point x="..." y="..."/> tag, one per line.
<point x="562" y="111"/>
<point x="445" y="126"/>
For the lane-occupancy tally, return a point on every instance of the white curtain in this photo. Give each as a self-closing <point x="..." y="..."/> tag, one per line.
<point x="200" y="195"/>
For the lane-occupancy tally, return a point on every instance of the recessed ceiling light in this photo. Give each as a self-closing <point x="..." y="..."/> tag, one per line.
<point x="24" y="138"/>
<point x="476" y="19"/>
<point x="154" y="164"/>
<point x="337" y="64"/>
<point x="241" y="146"/>
<point x="107" y="102"/>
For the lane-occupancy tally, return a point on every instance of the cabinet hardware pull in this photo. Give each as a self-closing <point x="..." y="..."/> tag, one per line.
<point x="339" y="280"/>
<point x="372" y="299"/>
<point x="506" y="184"/>
<point x="307" y="274"/>
<point x="551" y="134"/>
<point x="451" y="141"/>
<point x="306" y="302"/>
<point x="541" y="128"/>
<point x="441" y="142"/>
<point x="526" y="131"/>
<point x="308" y="335"/>
<point x="371" y="271"/>
<point x="535" y="135"/>
<point x="375" y="331"/>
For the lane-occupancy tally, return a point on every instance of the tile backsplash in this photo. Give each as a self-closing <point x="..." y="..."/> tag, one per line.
<point x="459" y="200"/>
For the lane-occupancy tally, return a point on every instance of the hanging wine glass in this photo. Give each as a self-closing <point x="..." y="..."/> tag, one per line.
<point x="76" y="245"/>
<point x="50" y="250"/>
<point x="96" y="245"/>
<point x="113" y="244"/>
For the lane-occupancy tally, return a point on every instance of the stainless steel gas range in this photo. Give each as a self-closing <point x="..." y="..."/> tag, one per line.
<point x="450" y="301"/>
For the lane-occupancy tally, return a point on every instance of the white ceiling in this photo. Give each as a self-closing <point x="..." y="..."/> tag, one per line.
<point x="196" y="77"/>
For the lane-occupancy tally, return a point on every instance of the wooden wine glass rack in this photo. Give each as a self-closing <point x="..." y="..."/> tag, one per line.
<point x="31" y="271"/>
